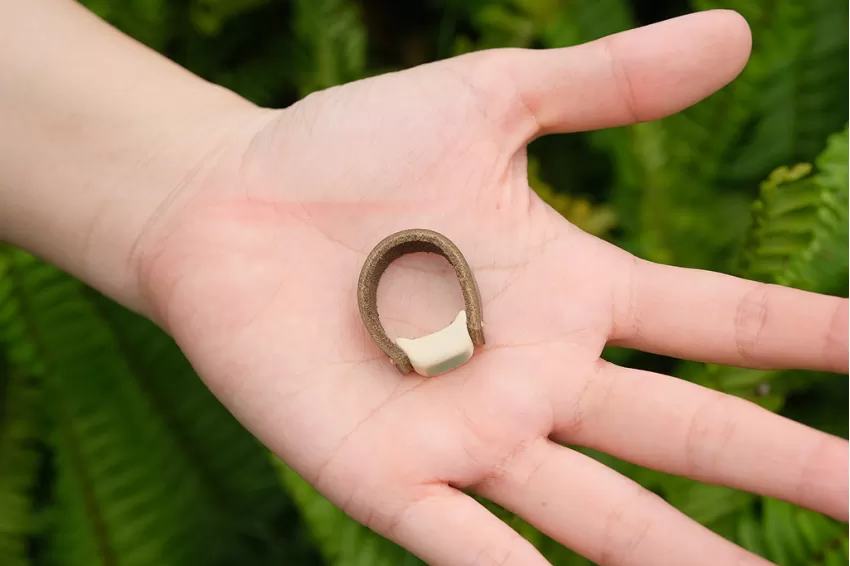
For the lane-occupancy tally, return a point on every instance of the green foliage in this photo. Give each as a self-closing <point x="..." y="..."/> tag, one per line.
<point x="149" y="468"/>
<point x="801" y="73"/>
<point x="788" y="535"/>
<point x="20" y="457"/>
<point x="239" y="479"/>
<point x="20" y="435"/>
<point x="123" y="491"/>
<point x="597" y="220"/>
<point x="112" y="451"/>
<point x="333" y="41"/>
<point x="799" y="237"/>
<point x="144" y="20"/>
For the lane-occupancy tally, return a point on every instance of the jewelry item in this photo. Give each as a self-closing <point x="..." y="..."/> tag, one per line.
<point x="443" y="350"/>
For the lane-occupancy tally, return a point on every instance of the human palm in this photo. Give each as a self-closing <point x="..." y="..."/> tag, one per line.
<point x="255" y="273"/>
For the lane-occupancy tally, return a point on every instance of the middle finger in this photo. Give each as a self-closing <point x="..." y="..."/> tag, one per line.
<point x="681" y="428"/>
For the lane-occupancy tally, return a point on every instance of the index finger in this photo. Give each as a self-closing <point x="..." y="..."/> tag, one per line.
<point x="716" y="318"/>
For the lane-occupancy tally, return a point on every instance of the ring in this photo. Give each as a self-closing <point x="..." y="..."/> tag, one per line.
<point x="443" y="350"/>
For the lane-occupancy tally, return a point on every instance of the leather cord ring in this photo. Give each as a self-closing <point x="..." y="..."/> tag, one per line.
<point x="393" y="247"/>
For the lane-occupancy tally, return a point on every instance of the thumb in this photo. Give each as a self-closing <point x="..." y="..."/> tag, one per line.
<point x="634" y="76"/>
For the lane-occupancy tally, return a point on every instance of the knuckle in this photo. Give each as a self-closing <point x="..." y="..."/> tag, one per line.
<point x="626" y="527"/>
<point x="622" y="80"/>
<point x="711" y="427"/>
<point x="750" y="318"/>
<point x="836" y="338"/>
<point x="626" y="322"/>
<point x="494" y="557"/>
<point x="501" y="97"/>
<point x="589" y="399"/>
<point x="808" y="484"/>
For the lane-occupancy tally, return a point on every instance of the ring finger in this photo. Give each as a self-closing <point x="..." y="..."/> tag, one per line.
<point x="602" y="515"/>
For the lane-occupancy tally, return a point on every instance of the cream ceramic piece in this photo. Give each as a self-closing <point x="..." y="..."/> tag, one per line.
<point x="441" y="351"/>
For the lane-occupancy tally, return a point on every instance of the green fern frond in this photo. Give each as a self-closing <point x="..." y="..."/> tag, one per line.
<point x="798" y="239"/>
<point x="799" y="233"/>
<point x="332" y="43"/>
<point x="209" y="16"/>
<point x="664" y="170"/>
<point x="667" y="175"/>
<point x="657" y="194"/>
<point x="20" y="438"/>
<point x="555" y="23"/>
<point x="341" y="540"/>
<point x="20" y="459"/>
<point x="671" y="175"/>
<point x="125" y="492"/>
<point x="231" y="463"/>
<point x="791" y="536"/>
<point x="498" y="23"/>
<point x="148" y="21"/>
<point x="503" y="25"/>
<point x="572" y="23"/>
<point x="802" y="79"/>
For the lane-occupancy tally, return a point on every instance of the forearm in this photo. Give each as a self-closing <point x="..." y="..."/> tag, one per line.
<point x="96" y="132"/>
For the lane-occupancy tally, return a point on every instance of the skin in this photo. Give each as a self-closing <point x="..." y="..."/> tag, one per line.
<point x="242" y="231"/>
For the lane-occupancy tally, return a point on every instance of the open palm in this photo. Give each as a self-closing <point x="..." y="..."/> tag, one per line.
<point x="255" y="268"/>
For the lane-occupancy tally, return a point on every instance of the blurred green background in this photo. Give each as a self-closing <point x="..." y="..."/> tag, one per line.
<point x="112" y="452"/>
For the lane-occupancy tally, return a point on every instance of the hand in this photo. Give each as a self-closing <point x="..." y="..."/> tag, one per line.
<point x="253" y="267"/>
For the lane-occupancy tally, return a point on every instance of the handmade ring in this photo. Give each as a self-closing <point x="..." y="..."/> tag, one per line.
<point x="443" y="350"/>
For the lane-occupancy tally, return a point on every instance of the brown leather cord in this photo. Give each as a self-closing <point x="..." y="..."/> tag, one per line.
<point x="390" y="249"/>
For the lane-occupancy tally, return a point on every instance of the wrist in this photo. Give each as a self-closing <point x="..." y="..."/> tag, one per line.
<point x="144" y="198"/>
<point x="89" y="201"/>
<point x="99" y="135"/>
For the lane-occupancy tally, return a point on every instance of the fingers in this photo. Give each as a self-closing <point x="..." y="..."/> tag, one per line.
<point x="449" y="528"/>
<point x="681" y="428"/>
<point x="638" y="75"/>
<point x="602" y="515"/>
<point x="712" y="317"/>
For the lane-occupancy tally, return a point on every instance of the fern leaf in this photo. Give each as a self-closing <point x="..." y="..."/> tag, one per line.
<point x="555" y="23"/>
<point x="209" y="16"/>
<point x="342" y="541"/>
<point x="231" y="463"/>
<point x="332" y="41"/>
<point x="672" y="175"/>
<point x="788" y="535"/>
<point x="572" y="23"/>
<point x="802" y="78"/>
<point x="798" y="239"/>
<point x="784" y="542"/>
<point x="799" y="233"/>
<point x="20" y="438"/>
<point x="663" y="170"/>
<point x="145" y="20"/>
<point x="709" y="505"/>
<point x="125" y="492"/>
<point x="748" y="533"/>
<point x="791" y="536"/>
<point x="20" y="459"/>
